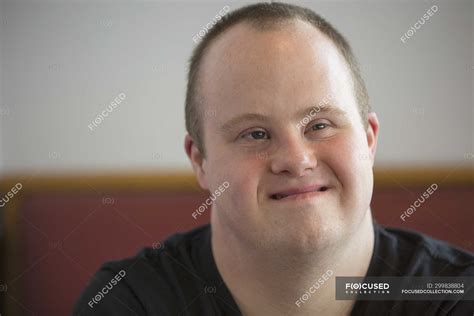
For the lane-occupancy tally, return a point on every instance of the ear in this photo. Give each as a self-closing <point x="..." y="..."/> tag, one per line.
<point x="197" y="161"/>
<point x="372" y="134"/>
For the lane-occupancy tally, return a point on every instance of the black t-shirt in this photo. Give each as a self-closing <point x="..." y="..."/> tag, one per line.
<point x="181" y="278"/>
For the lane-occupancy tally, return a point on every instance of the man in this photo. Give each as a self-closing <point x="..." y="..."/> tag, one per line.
<point x="290" y="122"/>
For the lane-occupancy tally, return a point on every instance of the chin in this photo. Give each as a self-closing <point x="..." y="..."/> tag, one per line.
<point x="316" y="239"/>
<point x="304" y="237"/>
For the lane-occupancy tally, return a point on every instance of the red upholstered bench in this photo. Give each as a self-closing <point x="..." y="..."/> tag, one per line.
<point x="60" y="229"/>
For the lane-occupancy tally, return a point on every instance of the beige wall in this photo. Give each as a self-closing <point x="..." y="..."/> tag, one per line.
<point x="62" y="64"/>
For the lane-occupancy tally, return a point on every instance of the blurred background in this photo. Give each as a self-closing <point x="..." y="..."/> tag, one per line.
<point x="76" y="191"/>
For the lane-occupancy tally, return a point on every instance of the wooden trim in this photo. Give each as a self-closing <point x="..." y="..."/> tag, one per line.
<point x="186" y="181"/>
<point x="139" y="181"/>
<point x="416" y="177"/>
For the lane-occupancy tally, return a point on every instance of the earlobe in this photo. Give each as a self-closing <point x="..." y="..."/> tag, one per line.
<point x="197" y="161"/>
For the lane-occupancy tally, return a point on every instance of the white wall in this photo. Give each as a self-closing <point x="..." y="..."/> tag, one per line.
<point x="2" y="106"/>
<point x="63" y="62"/>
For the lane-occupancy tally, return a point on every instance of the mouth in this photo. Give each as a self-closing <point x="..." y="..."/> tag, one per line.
<point x="299" y="193"/>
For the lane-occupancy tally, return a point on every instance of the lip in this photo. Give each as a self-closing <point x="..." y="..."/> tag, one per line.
<point x="299" y="192"/>
<point x="301" y="196"/>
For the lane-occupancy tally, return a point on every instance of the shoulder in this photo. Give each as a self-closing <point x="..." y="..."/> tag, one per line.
<point x="156" y="281"/>
<point x="414" y="253"/>
<point x="407" y="253"/>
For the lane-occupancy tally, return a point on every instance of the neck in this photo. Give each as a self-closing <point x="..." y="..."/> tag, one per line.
<point x="275" y="283"/>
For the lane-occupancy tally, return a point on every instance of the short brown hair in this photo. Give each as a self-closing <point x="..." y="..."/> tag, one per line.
<point x="264" y="16"/>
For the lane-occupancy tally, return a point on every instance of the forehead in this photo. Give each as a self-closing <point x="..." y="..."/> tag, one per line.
<point x="267" y="70"/>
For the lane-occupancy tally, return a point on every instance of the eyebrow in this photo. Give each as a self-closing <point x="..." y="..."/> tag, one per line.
<point x="242" y="118"/>
<point x="327" y="108"/>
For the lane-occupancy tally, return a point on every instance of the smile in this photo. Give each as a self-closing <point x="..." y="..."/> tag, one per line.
<point x="298" y="196"/>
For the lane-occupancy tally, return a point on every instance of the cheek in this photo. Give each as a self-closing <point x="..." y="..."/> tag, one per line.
<point x="239" y="205"/>
<point x="243" y="175"/>
<point x="246" y="174"/>
<point x="350" y="162"/>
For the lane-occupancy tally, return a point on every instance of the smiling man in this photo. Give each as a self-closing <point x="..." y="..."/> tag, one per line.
<point x="299" y="194"/>
<point x="293" y="137"/>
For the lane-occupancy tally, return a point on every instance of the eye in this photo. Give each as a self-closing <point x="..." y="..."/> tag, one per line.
<point x="256" y="135"/>
<point x="319" y="126"/>
<point x="320" y="130"/>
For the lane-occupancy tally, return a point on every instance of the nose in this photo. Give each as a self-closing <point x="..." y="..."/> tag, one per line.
<point x="294" y="156"/>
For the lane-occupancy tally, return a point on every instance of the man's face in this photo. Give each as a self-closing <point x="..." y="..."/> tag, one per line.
<point x="278" y="76"/>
